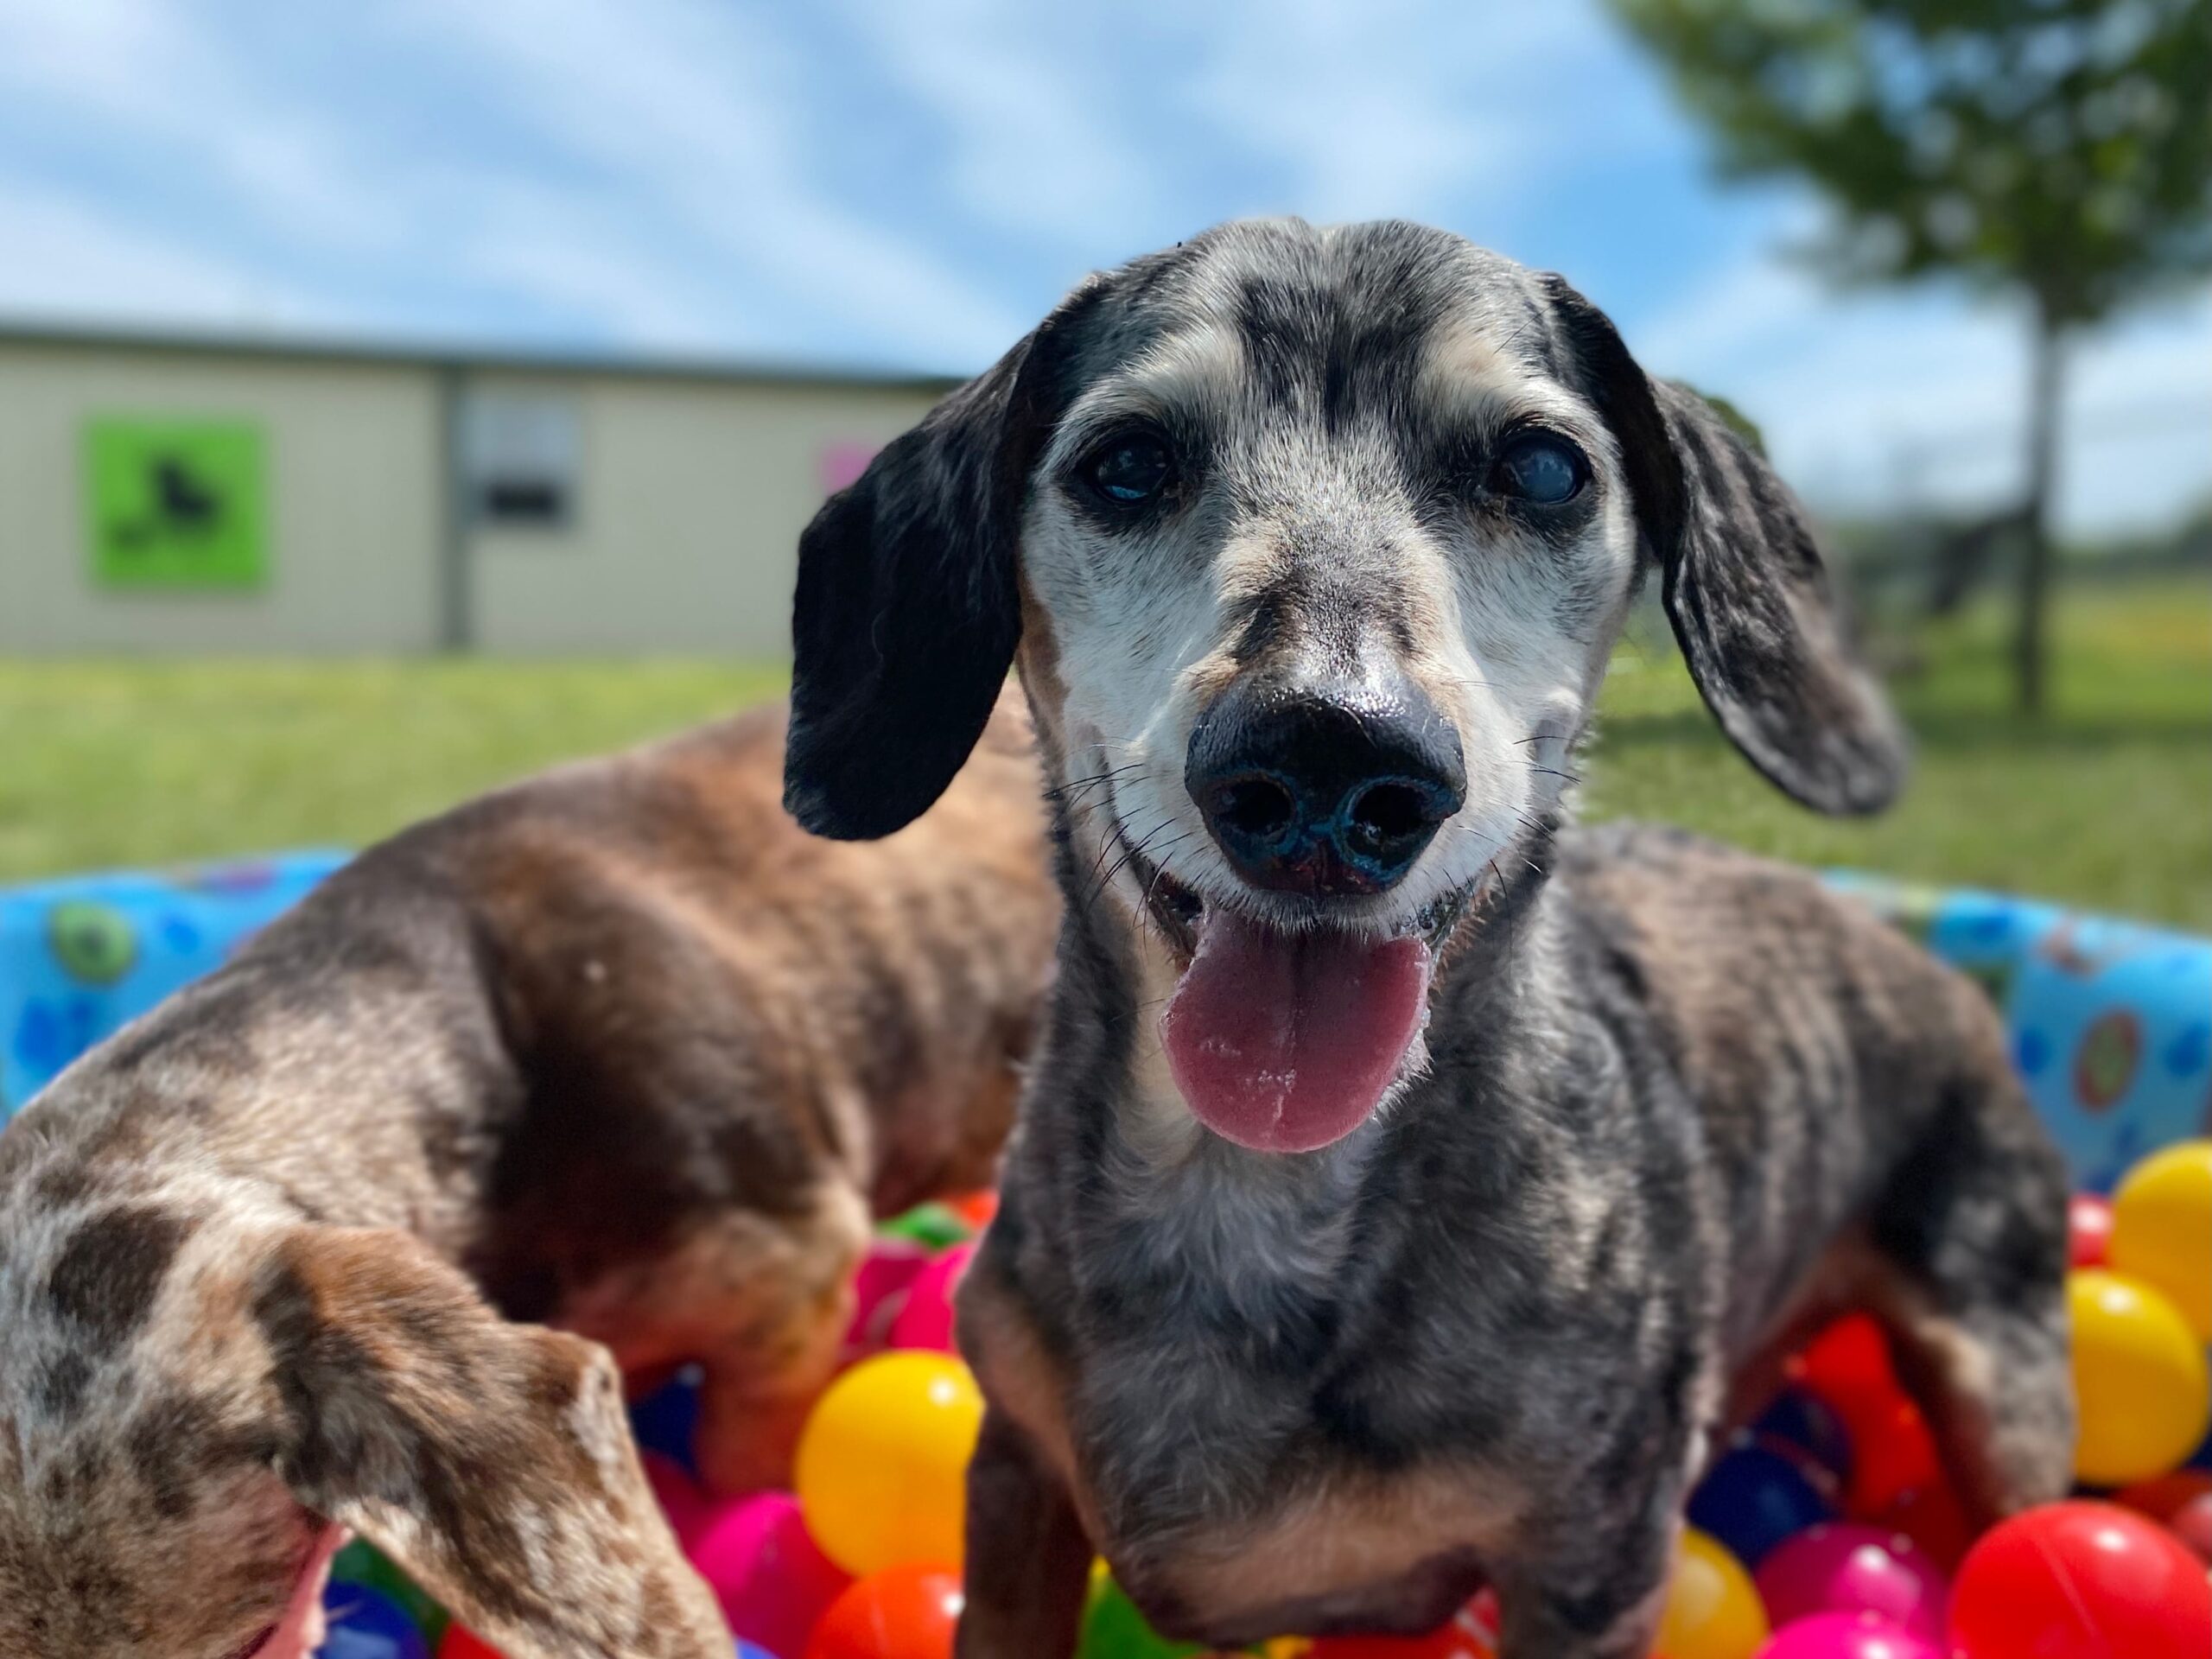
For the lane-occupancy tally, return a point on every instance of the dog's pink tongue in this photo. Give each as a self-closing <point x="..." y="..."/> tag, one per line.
<point x="1284" y="1042"/>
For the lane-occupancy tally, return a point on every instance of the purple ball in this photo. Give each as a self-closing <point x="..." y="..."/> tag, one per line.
<point x="1847" y="1635"/>
<point x="1840" y="1568"/>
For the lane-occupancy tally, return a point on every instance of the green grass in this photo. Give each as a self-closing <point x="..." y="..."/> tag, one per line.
<point x="2107" y="803"/>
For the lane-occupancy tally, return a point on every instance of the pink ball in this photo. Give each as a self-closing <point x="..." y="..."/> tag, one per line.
<point x="886" y="1275"/>
<point x="1847" y="1635"/>
<point x="682" y="1499"/>
<point x="926" y="1321"/>
<point x="1851" y="1569"/>
<point x="771" y="1580"/>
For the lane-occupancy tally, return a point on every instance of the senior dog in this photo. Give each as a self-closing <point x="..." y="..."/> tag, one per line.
<point x="620" y="1050"/>
<point x="1406" y="1181"/>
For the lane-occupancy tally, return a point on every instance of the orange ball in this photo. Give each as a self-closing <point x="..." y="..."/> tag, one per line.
<point x="905" y="1612"/>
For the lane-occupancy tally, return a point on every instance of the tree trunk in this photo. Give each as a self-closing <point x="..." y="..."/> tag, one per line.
<point x="2031" y="642"/>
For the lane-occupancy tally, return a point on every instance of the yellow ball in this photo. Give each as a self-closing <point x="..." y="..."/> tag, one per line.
<point x="883" y="1462"/>
<point x="1712" y="1608"/>
<point x="2162" y="1229"/>
<point x="2139" y="1376"/>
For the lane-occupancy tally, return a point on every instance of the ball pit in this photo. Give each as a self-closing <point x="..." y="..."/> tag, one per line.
<point x="1826" y="1530"/>
<point x="2067" y="1582"/>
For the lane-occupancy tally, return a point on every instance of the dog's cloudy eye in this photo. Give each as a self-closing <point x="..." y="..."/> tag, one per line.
<point x="1539" y="467"/>
<point x="1130" y="470"/>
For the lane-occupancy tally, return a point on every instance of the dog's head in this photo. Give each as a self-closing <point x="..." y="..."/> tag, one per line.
<point x="1314" y="543"/>
<point x="189" y="1424"/>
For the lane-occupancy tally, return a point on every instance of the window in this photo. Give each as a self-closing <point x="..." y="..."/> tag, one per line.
<point x="519" y="458"/>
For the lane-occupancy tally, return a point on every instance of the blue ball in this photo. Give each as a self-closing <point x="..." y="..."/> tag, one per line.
<point x="367" y="1623"/>
<point x="667" y="1420"/>
<point x="1755" y="1498"/>
<point x="746" y="1650"/>
<point x="1802" y="1419"/>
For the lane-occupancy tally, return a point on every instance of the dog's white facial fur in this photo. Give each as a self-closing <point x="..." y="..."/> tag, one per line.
<point x="1504" y="627"/>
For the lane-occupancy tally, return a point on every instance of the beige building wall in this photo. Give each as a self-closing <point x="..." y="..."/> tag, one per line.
<point x="355" y="476"/>
<point x="691" y="497"/>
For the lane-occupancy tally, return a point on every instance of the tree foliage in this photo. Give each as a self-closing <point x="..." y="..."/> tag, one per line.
<point x="2061" y="146"/>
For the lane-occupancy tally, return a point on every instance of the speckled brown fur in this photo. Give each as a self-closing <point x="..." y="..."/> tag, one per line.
<point x="618" y="1051"/>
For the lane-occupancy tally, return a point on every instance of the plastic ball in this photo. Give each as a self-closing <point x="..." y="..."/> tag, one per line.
<point x="1847" y="1635"/>
<point x="905" y="1612"/>
<point x="2192" y="1524"/>
<point x="1935" y="1520"/>
<point x="367" y="1623"/>
<point x="1847" y="1365"/>
<point x="1854" y="1569"/>
<point x="1114" y="1628"/>
<point x="2088" y="1230"/>
<point x="1471" y="1634"/>
<point x="682" y="1499"/>
<point x="772" y="1579"/>
<point x="1754" y="1497"/>
<point x="1712" y="1610"/>
<point x="2165" y="1496"/>
<point x="667" y="1420"/>
<point x="749" y="1650"/>
<point x="886" y="1273"/>
<point x="462" y="1643"/>
<point x="361" y="1562"/>
<point x="1800" y="1418"/>
<point x="2080" y="1581"/>
<point x="931" y="1224"/>
<point x="2140" y="1378"/>
<point x="925" y="1321"/>
<point x="883" y="1459"/>
<point x="2162" y="1229"/>
<point x="1895" y="1453"/>
<point x="977" y="1209"/>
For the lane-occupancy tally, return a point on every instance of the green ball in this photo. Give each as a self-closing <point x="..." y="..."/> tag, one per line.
<point x="932" y="1225"/>
<point x="95" y="943"/>
<point x="1114" y="1628"/>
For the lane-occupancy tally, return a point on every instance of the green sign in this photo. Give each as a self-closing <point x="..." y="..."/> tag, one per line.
<point x="175" y="502"/>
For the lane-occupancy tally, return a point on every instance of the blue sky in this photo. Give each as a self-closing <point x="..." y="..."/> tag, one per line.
<point x="909" y="183"/>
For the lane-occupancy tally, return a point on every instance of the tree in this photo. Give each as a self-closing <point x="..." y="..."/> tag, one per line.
<point x="2058" y="150"/>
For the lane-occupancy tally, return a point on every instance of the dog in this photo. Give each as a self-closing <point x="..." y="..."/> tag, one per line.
<point x="1409" y="1188"/>
<point x="620" y="1050"/>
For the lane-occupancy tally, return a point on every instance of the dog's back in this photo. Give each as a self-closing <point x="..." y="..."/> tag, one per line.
<point x="620" y="1045"/>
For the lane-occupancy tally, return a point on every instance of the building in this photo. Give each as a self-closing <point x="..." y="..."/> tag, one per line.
<point x="185" y="494"/>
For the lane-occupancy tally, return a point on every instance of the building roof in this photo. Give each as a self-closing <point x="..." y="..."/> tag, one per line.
<point x="459" y="355"/>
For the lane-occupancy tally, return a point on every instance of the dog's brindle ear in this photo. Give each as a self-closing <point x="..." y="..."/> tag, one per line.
<point x="907" y="611"/>
<point x="493" y="1461"/>
<point x="1745" y="589"/>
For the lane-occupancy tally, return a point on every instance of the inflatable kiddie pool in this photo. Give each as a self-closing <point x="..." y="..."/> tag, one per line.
<point x="2111" y="1031"/>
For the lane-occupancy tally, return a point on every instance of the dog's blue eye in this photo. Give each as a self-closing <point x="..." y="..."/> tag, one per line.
<point x="1130" y="470"/>
<point x="1539" y="467"/>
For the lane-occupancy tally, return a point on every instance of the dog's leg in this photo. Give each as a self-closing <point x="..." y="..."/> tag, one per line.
<point x="1029" y="1557"/>
<point x="1970" y="1238"/>
<point x="780" y="1297"/>
<point x="1595" y="1585"/>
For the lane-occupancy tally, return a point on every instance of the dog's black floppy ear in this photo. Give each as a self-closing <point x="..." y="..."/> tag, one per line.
<point x="1749" y="600"/>
<point x="907" y="611"/>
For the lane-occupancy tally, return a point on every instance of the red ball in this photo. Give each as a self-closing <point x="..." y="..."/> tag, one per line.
<point x="903" y="1612"/>
<point x="2162" y="1498"/>
<point x="1847" y="1365"/>
<point x="1933" y="1518"/>
<point x="1893" y="1453"/>
<point x="1472" y="1634"/>
<point x="2192" y="1524"/>
<point x="2081" y="1580"/>
<point x="464" y="1645"/>
<point x="2088" y="1230"/>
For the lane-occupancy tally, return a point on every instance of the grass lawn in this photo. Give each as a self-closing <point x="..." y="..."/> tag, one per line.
<point x="2107" y="803"/>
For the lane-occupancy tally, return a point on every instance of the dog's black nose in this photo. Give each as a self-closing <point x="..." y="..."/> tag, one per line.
<point x="1325" y="790"/>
